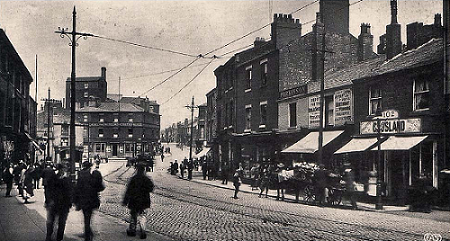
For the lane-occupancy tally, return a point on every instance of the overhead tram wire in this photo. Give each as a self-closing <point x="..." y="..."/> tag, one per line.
<point x="256" y="30"/>
<point x="171" y="76"/>
<point x="146" y="46"/>
<point x="161" y="72"/>
<point x="188" y="83"/>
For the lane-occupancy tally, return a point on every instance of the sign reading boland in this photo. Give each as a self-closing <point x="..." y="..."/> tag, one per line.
<point x="412" y="125"/>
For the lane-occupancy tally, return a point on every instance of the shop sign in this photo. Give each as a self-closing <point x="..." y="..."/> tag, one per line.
<point x="389" y="114"/>
<point x="343" y="106"/>
<point x="392" y="126"/>
<point x="300" y="90"/>
<point x="314" y="111"/>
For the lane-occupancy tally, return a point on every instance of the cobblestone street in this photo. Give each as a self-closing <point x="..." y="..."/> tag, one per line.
<point x="190" y="210"/>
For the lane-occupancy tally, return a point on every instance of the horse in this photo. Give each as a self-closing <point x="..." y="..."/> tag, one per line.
<point x="295" y="179"/>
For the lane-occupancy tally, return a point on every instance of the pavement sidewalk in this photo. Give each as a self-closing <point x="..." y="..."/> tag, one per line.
<point x="27" y="222"/>
<point x="439" y="215"/>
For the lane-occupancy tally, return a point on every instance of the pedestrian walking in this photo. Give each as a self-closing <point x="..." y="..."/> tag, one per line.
<point x="237" y="180"/>
<point x="59" y="201"/>
<point x="21" y="185"/>
<point x="320" y="180"/>
<point x="37" y="175"/>
<point x="265" y="182"/>
<point x="86" y="198"/>
<point x="16" y="172"/>
<point x="28" y="185"/>
<point x="204" y="168"/>
<point x="225" y="173"/>
<point x="190" y="167"/>
<point x="162" y="156"/>
<point x="350" y="188"/>
<point x="8" y="178"/>
<point x="137" y="199"/>
<point x="175" y="167"/>
<point x="47" y="174"/>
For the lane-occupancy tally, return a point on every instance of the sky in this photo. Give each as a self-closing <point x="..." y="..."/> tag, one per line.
<point x="188" y="27"/>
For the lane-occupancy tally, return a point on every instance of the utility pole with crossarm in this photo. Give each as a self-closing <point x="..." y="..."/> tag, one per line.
<point x="192" y="107"/>
<point x="73" y="37"/>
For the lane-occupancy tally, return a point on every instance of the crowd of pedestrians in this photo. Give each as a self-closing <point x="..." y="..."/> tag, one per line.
<point x="61" y="194"/>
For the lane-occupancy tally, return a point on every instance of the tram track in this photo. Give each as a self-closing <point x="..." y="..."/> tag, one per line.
<point x="342" y="229"/>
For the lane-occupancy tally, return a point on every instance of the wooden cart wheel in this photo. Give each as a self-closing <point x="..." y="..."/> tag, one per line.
<point x="310" y="196"/>
<point x="335" y="196"/>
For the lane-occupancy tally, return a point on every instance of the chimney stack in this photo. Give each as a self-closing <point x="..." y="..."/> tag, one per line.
<point x="285" y="29"/>
<point x="393" y="34"/>
<point x="365" y="42"/>
<point x="335" y="14"/>
<point x="104" y="73"/>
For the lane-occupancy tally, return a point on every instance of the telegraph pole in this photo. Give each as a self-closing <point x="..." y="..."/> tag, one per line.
<point x="192" y="107"/>
<point x="73" y="38"/>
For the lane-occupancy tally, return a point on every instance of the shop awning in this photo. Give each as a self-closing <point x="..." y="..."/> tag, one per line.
<point x="357" y="144"/>
<point x="400" y="143"/>
<point x="34" y="142"/>
<point x="310" y="143"/>
<point x="202" y="153"/>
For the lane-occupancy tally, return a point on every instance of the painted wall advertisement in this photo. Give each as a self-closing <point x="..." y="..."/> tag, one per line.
<point x="314" y="111"/>
<point x="342" y="108"/>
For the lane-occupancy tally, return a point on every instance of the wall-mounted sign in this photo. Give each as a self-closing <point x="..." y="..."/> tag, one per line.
<point x="314" y="111"/>
<point x="343" y="106"/>
<point x="300" y="90"/>
<point x="389" y="114"/>
<point x="391" y="126"/>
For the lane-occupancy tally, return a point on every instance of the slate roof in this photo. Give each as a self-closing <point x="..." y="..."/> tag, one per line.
<point x="86" y="79"/>
<point x="112" y="107"/>
<point x="428" y="53"/>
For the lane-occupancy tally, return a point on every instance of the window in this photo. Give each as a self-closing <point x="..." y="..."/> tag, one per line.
<point x="116" y="134"/>
<point x="248" y="78"/>
<point x="64" y="142"/>
<point x="129" y="147"/>
<point x="293" y="115"/>
<point x="86" y="94"/>
<point x="230" y="79"/>
<point x="230" y="121"/>
<point x="264" y="72"/>
<point x="248" y="118"/>
<point x="375" y="100"/>
<point x="421" y="95"/>
<point x="263" y="110"/>
<point x="85" y="118"/>
<point x="130" y="118"/>
<point x="100" y="132"/>
<point x="86" y="85"/>
<point x="130" y="132"/>
<point x="116" y="119"/>
<point x="100" y="147"/>
<point x="101" y="118"/>
<point x="329" y="110"/>
<point x="64" y="130"/>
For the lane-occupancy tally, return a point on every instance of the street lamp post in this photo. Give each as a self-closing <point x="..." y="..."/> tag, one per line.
<point x="379" y="204"/>
<point x="192" y="107"/>
<point x="73" y="43"/>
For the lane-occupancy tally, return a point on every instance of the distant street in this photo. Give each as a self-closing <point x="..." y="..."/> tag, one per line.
<point x="190" y="210"/>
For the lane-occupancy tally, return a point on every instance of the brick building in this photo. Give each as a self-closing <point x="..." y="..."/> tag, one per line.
<point x="17" y="108"/>
<point x="87" y="88"/>
<point x="120" y="129"/>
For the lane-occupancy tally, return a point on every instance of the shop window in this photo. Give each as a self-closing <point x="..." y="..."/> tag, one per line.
<point x="421" y="95"/>
<point x="100" y="147"/>
<point x="329" y="110"/>
<point x="293" y="115"/>
<point x="248" y="118"/>
<point x="264" y="72"/>
<point x="248" y="78"/>
<point x="263" y="110"/>
<point x="129" y="147"/>
<point x="375" y="100"/>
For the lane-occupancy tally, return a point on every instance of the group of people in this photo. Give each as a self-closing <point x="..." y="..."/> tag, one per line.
<point x="25" y="176"/>
<point x="61" y="194"/>
<point x="186" y="164"/>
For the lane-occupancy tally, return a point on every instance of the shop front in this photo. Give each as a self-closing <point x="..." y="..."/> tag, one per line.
<point x="406" y="154"/>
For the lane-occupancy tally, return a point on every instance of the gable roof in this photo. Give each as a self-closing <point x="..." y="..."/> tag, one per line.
<point x="428" y="53"/>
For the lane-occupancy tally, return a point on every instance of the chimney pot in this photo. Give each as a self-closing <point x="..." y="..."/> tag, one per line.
<point x="104" y="73"/>
<point x="437" y="19"/>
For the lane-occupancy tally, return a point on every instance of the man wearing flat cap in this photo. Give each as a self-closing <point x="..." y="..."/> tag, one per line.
<point x="89" y="184"/>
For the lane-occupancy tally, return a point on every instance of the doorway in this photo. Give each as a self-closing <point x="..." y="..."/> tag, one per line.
<point x="114" y="150"/>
